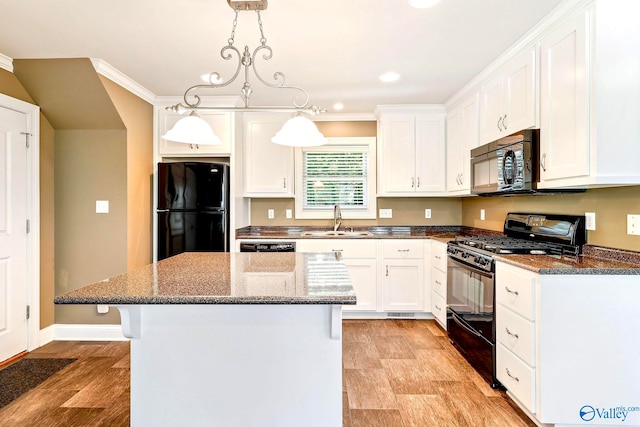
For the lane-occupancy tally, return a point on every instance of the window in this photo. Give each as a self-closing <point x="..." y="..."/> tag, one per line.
<point x="341" y="172"/>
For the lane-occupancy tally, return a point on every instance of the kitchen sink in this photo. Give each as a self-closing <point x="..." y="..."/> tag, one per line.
<point x="339" y="233"/>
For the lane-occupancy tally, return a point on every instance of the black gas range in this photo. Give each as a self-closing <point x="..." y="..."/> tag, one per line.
<point x="471" y="277"/>
<point x="535" y="234"/>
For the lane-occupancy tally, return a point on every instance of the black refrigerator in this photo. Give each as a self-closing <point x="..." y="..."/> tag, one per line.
<point x="193" y="208"/>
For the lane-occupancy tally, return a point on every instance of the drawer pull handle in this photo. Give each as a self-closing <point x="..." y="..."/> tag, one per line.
<point x="515" y="378"/>
<point x="387" y="273"/>
<point x="510" y="291"/>
<point x="336" y="250"/>
<point x="438" y="308"/>
<point x="511" y="333"/>
<point x="437" y="257"/>
<point x="404" y="250"/>
<point x="438" y="282"/>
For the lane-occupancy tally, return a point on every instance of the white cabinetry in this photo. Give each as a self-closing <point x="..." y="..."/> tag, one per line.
<point x="509" y="101"/>
<point x="268" y="167"/>
<point x="411" y="150"/>
<point x="515" y="333"/>
<point x="222" y="124"/>
<point x="555" y="354"/>
<point x="590" y="99"/>
<point x="439" y="282"/>
<point x="360" y="258"/>
<point x="462" y="136"/>
<point x="403" y="276"/>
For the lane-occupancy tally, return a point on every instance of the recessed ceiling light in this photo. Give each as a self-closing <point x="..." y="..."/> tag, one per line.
<point x="338" y="106"/>
<point x="423" y="4"/>
<point x="389" y="77"/>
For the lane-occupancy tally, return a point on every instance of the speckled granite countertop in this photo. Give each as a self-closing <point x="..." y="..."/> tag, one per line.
<point x="595" y="260"/>
<point x="376" y="232"/>
<point x="226" y="278"/>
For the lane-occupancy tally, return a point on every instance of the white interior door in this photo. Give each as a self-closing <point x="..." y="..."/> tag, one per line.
<point x="13" y="233"/>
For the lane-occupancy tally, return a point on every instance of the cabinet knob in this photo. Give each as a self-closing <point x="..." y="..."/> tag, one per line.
<point x="511" y="333"/>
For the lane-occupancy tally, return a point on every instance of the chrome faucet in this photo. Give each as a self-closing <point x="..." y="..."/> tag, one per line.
<point x="337" y="217"/>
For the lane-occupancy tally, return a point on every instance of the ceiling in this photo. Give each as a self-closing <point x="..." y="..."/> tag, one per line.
<point x="335" y="49"/>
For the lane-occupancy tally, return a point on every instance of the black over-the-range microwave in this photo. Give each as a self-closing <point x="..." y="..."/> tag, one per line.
<point x="506" y="166"/>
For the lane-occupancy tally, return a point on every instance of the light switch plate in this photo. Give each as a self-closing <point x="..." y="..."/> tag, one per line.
<point x="427" y="213"/>
<point x="271" y="214"/>
<point x="289" y="214"/>
<point x="633" y="225"/>
<point x="386" y="213"/>
<point x="590" y="219"/>
<point x="102" y="206"/>
<point x="482" y="215"/>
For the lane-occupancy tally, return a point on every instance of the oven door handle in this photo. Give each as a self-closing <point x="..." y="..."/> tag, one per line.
<point x="460" y="323"/>
<point x="471" y="268"/>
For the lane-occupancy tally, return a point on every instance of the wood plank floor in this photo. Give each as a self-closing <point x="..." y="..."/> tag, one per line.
<point x="396" y="373"/>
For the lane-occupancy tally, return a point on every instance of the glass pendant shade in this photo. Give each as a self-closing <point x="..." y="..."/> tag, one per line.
<point x="192" y="130"/>
<point x="299" y="132"/>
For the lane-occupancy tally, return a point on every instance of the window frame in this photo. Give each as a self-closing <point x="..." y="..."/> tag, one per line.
<point x="333" y="145"/>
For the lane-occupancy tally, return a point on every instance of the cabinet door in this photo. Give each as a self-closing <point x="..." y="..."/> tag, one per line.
<point x="455" y="123"/>
<point x="519" y="94"/>
<point x="403" y="285"/>
<point x="220" y="122"/>
<point x="268" y="166"/>
<point x="564" y="137"/>
<point x="430" y="153"/>
<point x="491" y="110"/>
<point x="362" y="273"/>
<point x="397" y="156"/>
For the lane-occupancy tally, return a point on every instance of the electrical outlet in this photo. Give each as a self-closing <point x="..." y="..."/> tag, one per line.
<point x="482" y="215"/>
<point x="289" y="214"/>
<point x="102" y="206"/>
<point x="633" y="225"/>
<point x="427" y="213"/>
<point x="271" y="214"/>
<point x="590" y="218"/>
<point x="386" y="213"/>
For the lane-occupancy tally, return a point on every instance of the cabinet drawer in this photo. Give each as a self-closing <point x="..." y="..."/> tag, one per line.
<point x="439" y="282"/>
<point x="439" y="309"/>
<point x="514" y="289"/>
<point x="439" y="256"/>
<point x="516" y="333"/>
<point x="516" y="376"/>
<point x="402" y="249"/>
<point x="349" y="248"/>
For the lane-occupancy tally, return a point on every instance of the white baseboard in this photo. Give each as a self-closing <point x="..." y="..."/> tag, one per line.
<point x="363" y="315"/>
<point x="88" y="333"/>
<point x="45" y="336"/>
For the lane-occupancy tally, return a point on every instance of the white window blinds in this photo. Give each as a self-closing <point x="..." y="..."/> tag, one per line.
<point x="332" y="177"/>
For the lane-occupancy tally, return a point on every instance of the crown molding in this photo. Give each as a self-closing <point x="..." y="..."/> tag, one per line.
<point x="119" y="78"/>
<point x="6" y="63"/>
<point x="344" y="117"/>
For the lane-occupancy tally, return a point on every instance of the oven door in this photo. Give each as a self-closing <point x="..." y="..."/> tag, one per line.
<point x="470" y="297"/>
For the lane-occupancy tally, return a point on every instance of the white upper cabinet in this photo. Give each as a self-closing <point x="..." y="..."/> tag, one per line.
<point x="462" y="136"/>
<point x="508" y="101"/>
<point x="268" y="167"/>
<point x="411" y="147"/>
<point x="220" y="122"/>
<point x="590" y="99"/>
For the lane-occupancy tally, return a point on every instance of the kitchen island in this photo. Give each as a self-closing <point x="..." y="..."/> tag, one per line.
<point x="232" y="339"/>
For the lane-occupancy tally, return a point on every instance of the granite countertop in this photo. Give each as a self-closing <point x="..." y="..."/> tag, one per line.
<point x="594" y="260"/>
<point x="226" y="278"/>
<point x="446" y="232"/>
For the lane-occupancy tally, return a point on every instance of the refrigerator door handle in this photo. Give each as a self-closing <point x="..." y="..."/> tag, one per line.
<point x="162" y="210"/>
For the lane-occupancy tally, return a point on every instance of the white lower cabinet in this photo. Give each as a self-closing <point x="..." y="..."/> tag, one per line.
<point x="360" y="259"/>
<point x="515" y="333"/>
<point x="439" y="282"/>
<point x="403" y="275"/>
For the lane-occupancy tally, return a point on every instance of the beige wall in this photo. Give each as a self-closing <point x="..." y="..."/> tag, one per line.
<point x="611" y="206"/>
<point x="11" y="86"/>
<point x="90" y="165"/>
<point x="137" y="116"/>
